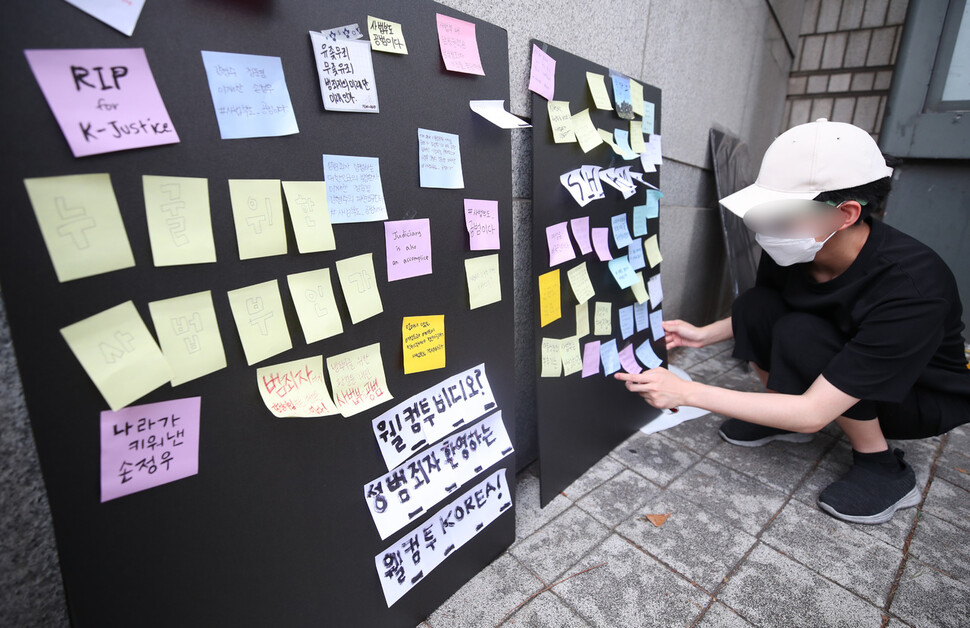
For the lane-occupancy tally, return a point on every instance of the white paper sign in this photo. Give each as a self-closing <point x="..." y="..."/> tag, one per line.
<point x="584" y="184"/>
<point x="346" y="72"/>
<point x="118" y="14"/>
<point x="494" y="111"/>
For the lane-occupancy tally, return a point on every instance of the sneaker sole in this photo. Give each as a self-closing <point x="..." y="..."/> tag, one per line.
<point x="909" y="500"/>
<point x="793" y="437"/>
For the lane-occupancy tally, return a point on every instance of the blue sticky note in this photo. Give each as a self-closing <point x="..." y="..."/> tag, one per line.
<point x="621" y="96"/>
<point x="647" y="118"/>
<point x="621" y="235"/>
<point x="610" y="357"/>
<point x="656" y="324"/>
<point x="354" y="190"/>
<point x="622" y="271"/>
<point x="635" y="254"/>
<point x="647" y="356"/>
<point x="249" y="95"/>
<point x="640" y="215"/>
<point x="653" y="203"/>
<point x="641" y="313"/>
<point x="626" y="321"/>
<point x="439" y="160"/>
<point x="622" y="139"/>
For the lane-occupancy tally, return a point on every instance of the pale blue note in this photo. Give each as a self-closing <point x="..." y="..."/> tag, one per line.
<point x="621" y="235"/>
<point x="439" y="160"/>
<point x="656" y="324"/>
<point x="635" y="253"/>
<point x="641" y="312"/>
<point x="626" y="321"/>
<point x="354" y="191"/>
<point x="647" y="356"/>
<point x="621" y="96"/>
<point x="610" y="357"/>
<point x="621" y="137"/>
<point x="622" y="271"/>
<point x="647" y="117"/>
<point x="640" y="215"/>
<point x="249" y="95"/>
<point x="653" y="203"/>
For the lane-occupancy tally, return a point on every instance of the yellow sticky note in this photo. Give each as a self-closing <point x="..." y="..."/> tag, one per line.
<point x="597" y="87"/>
<point x="257" y="211"/>
<point x="188" y="333"/>
<point x="582" y="320"/>
<point x="81" y="224"/>
<point x="607" y="138"/>
<point x="603" y="318"/>
<point x="357" y="379"/>
<point x="258" y="312"/>
<point x="639" y="289"/>
<point x="561" y="122"/>
<point x="118" y="354"/>
<point x="652" y="247"/>
<point x="312" y="294"/>
<point x="179" y="223"/>
<point x="636" y="136"/>
<point x="309" y="215"/>
<point x="386" y="36"/>
<point x="636" y="98"/>
<point x="580" y="283"/>
<point x="572" y="359"/>
<point x="423" y="338"/>
<point x="585" y="131"/>
<point x="550" y="303"/>
<point x="484" y="281"/>
<point x="295" y="388"/>
<point x="359" y="283"/>
<point x="551" y="358"/>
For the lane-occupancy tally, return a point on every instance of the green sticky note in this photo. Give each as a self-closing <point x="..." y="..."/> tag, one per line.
<point x="179" y="223"/>
<point x="309" y="215"/>
<point x="258" y="312"/>
<point x="312" y="294"/>
<point x="257" y="211"/>
<point x="357" y="379"/>
<point x="189" y="335"/>
<point x="484" y="281"/>
<point x="359" y="283"/>
<point x="597" y="87"/>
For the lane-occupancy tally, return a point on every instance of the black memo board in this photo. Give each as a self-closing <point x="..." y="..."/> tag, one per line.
<point x="274" y="529"/>
<point x="581" y="419"/>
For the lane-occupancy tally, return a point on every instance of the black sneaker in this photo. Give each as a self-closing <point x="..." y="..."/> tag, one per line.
<point x="738" y="432"/>
<point x="869" y="493"/>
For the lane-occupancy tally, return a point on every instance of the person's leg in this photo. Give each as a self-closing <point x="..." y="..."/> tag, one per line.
<point x="865" y="436"/>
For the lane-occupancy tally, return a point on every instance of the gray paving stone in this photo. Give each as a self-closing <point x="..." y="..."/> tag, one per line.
<point x="770" y="464"/>
<point x="954" y="467"/>
<point x="630" y="589"/>
<point x="813" y="450"/>
<point x="773" y="590"/>
<point x="613" y="501"/>
<point x="836" y="550"/>
<point x="942" y="545"/>
<point x="556" y="547"/>
<point x="920" y="454"/>
<point x="720" y="616"/>
<point x="739" y="499"/>
<point x="653" y="457"/>
<point x="738" y="378"/>
<point x="708" y="370"/>
<point x="948" y="502"/>
<point x="699" y="435"/>
<point x="693" y="542"/>
<point x="546" y="611"/>
<point x="685" y="357"/>
<point x="600" y="472"/>
<point x="926" y="597"/>
<point x="529" y="517"/>
<point x="488" y="597"/>
<point x="958" y="439"/>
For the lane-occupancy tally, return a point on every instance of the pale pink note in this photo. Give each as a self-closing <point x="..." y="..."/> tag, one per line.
<point x="481" y="220"/>
<point x="542" y="79"/>
<point x="580" y="228"/>
<point x="408" y="245"/>
<point x="601" y="242"/>
<point x="459" y="45"/>
<point x="148" y="445"/>
<point x="591" y="358"/>
<point x="104" y="100"/>
<point x="560" y="246"/>
<point x="629" y="361"/>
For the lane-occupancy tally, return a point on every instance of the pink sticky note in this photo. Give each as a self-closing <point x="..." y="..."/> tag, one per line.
<point x="543" y="75"/>
<point x="591" y="358"/>
<point x="104" y="100"/>
<point x="148" y="445"/>
<point x="459" y="45"/>
<point x="629" y="361"/>
<point x="580" y="228"/>
<point x="408" y="245"/>
<point x="560" y="246"/>
<point x="481" y="220"/>
<point x="601" y="242"/>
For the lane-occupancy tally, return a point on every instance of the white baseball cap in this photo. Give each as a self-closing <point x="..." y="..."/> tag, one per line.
<point x="809" y="159"/>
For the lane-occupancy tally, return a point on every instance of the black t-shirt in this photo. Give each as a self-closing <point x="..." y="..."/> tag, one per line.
<point x="898" y="307"/>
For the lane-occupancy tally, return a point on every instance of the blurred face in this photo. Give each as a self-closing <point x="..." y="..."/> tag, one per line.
<point x="794" y="219"/>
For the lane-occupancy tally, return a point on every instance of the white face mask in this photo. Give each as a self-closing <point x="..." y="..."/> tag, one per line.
<point x="788" y="251"/>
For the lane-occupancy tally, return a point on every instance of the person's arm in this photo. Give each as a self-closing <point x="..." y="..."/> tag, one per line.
<point x="680" y="333"/>
<point x="821" y="404"/>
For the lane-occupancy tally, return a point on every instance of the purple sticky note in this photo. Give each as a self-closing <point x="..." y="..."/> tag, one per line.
<point x="104" y="100"/>
<point x="580" y="228"/>
<point x="542" y="78"/>
<point x="656" y="324"/>
<point x="459" y="45"/>
<point x="560" y="246"/>
<point x="626" y="321"/>
<point x="148" y="445"/>
<point x="609" y="357"/>
<point x="591" y="358"/>
<point x="601" y="242"/>
<point x="481" y="220"/>
<point x="641" y="314"/>
<point x="408" y="245"/>
<point x="628" y="361"/>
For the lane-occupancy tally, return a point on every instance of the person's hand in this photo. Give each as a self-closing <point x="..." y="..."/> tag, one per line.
<point x="680" y="333"/>
<point x="658" y="387"/>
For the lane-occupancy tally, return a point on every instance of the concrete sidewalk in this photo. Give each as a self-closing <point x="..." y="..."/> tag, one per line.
<point x="745" y="543"/>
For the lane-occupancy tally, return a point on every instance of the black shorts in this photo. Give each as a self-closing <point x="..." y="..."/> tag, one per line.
<point x="795" y="347"/>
